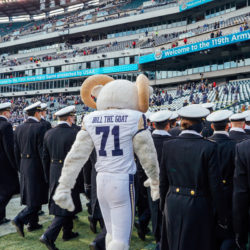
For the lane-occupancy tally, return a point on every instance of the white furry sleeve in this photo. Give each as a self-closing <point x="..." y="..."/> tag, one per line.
<point x="144" y="148"/>
<point x="76" y="158"/>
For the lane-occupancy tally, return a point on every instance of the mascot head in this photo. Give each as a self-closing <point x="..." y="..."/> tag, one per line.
<point x="116" y="94"/>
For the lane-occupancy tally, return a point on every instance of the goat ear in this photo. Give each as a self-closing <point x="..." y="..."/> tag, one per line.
<point x="96" y="90"/>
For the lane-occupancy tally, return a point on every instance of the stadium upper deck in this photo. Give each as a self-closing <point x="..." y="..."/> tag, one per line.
<point x="116" y="38"/>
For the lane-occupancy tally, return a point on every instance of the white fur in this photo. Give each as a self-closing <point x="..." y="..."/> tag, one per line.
<point x="75" y="160"/>
<point x="108" y="239"/>
<point x="63" y="199"/>
<point x="154" y="188"/>
<point x="96" y="90"/>
<point x="117" y="245"/>
<point x="121" y="94"/>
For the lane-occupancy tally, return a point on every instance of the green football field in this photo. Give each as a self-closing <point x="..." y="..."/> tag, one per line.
<point x="31" y="241"/>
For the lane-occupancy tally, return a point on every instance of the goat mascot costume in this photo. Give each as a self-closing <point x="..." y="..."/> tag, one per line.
<point x="117" y="130"/>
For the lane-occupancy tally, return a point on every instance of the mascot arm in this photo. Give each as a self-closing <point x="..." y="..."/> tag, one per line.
<point x="75" y="160"/>
<point x="145" y="150"/>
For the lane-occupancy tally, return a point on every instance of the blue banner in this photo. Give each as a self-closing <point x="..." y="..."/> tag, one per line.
<point x="70" y="74"/>
<point x="191" y="4"/>
<point x="195" y="47"/>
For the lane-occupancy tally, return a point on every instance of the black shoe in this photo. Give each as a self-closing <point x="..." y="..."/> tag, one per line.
<point x="70" y="236"/>
<point x="157" y="246"/>
<point x="41" y="212"/>
<point x="49" y="244"/>
<point x="75" y="217"/>
<point x="4" y="220"/>
<point x="141" y="232"/>
<point x="92" y="245"/>
<point x="34" y="227"/>
<point x="92" y="224"/>
<point x="19" y="227"/>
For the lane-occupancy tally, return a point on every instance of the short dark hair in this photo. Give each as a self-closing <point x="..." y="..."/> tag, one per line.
<point x="172" y="122"/>
<point x="186" y="123"/>
<point x="31" y="112"/>
<point x="161" y="125"/>
<point x="248" y="123"/>
<point x="220" y="126"/>
<point x="63" y="118"/>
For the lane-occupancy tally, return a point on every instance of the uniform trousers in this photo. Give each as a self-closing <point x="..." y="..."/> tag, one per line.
<point x="141" y="199"/>
<point x="58" y="223"/>
<point x="228" y="244"/>
<point x="29" y="215"/>
<point x="4" y="200"/>
<point x="156" y="216"/>
<point x="100" y="240"/>
<point x="115" y="193"/>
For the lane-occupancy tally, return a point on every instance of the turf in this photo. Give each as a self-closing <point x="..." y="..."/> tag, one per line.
<point x="81" y="225"/>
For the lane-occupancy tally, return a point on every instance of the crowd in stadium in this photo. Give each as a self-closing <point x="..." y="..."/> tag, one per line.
<point x="194" y="93"/>
<point x="170" y="39"/>
<point x="58" y="101"/>
<point x="161" y="123"/>
<point x="51" y="24"/>
<point x="116" y="126"/>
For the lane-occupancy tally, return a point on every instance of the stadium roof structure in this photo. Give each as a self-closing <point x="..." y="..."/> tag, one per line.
<point x="14" y="9"/>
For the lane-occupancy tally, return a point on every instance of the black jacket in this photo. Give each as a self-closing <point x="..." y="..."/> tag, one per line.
<point x="247" y="131"/>
<point x="57" y="143"/>
<point x="241" y="194"/>
<point x="28" y="153"/>
<point x="191" y="186"/>
<point x="238" y="136"/>
<point x="158" y="142"/>
<point x="46" y="124"/>
<point x="226" y="157"/>
<point x="9" y="183"/>
<point x="175" y="131"/>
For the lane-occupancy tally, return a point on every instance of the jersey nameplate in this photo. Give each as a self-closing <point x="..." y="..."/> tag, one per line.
<point x="110" y="119"/>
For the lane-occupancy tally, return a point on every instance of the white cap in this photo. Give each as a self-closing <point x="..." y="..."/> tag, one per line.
<point x="161" y="116"/>
<point x="193" y="111"/>
<point x="238" y="117"/>
<point x="174" y="116"/>
<point x="219" y="116"/>
<point x="247" y="112"/>
<point x="44" y="106"/>
<point x="35" y="106"/>
<point x="5" y="106"/>
<point x="148" y="114"/>
<point x="208" y="105"/>
<point x="70" y="110"/>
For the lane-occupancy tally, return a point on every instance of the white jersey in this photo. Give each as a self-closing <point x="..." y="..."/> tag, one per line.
<point x="112" y="132"/>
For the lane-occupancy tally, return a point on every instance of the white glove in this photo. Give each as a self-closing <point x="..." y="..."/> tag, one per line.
<point x="154" y="188"/>
<point x="63" y="199"/>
